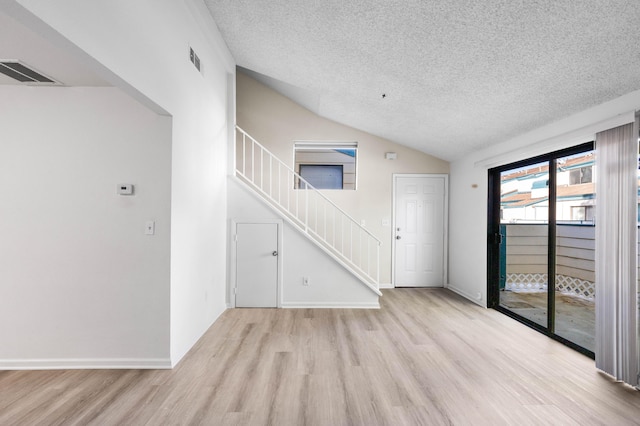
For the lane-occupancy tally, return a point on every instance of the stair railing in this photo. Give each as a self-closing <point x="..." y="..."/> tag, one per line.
<point x="335" y="231"/>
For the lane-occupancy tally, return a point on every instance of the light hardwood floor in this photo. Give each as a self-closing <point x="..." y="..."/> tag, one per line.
<point x="426" y="357"/>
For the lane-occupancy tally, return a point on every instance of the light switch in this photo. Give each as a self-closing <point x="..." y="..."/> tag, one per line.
<point x="150" y="228"/>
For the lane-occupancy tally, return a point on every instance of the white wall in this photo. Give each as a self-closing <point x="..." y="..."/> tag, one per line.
<point x="143" y="47"/>
<point x="276" y="122"/>
<point x="81" y="285"/>
<point x="469" y="189"/>
<point x="331" y="284"/>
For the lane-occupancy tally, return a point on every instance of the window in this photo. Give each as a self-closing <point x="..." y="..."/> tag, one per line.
<point x="581" y="175"/>
<point x="322" y="176"/>
<point x="326" y="165"/>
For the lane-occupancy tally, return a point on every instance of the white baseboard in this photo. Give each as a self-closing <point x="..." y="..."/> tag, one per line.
<point x="386" y="285"/>
<point x="466" y="295"/>
<point x="86" y="364"/>
<point x="324" y="305"/>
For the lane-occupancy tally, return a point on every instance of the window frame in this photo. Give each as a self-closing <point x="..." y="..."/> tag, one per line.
<point x="302" y="145"/>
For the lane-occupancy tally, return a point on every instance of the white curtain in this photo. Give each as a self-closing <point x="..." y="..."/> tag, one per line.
<point x="616" y="253"/>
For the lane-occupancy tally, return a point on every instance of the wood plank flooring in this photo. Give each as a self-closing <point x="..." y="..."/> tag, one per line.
<point x="426" y="357"/>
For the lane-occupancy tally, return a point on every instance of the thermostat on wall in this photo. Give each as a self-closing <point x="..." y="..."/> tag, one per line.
<point x="125" y="189"/>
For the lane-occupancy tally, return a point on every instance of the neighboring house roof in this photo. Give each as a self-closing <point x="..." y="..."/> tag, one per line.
<point x="577" y="162"/>
<point x="585" y="190"/>
<point x="523" y="199"/>
<point x="529" y="173"/>
<point x="513" y="197"/>
<point x="534" y="172"/>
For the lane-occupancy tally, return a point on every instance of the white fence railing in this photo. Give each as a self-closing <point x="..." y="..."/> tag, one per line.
<point x="526" y="256"/>
<point x="308" y="209"/>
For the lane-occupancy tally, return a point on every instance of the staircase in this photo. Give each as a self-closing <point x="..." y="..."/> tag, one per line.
<point x="308" y="210"/>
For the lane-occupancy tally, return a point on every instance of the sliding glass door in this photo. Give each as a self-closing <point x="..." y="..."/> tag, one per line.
<point x="541" y="244"/>
<point x="574" y="298"/>
<point x="524" y="209"/>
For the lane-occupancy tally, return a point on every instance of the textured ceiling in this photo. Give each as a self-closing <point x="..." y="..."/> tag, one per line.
<point x="458" y="75"/>
<point x="21" y="43"/>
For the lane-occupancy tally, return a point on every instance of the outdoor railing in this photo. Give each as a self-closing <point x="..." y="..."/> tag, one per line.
<point x="335" y="231"/>
<point x="525" y="255"/>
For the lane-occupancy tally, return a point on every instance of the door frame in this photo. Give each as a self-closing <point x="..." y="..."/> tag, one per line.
<point x="445" y="245"/>
<point x="495" y="237"/>
<point x="233" y="284"/>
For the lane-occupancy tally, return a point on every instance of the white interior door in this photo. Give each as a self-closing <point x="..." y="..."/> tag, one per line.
<point x="257" y="265"/>
<point x="419" y="231"/>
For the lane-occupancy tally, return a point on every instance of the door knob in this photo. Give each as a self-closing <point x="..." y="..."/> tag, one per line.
<point x="398" y="237"/>
<point x="275" y="253"/>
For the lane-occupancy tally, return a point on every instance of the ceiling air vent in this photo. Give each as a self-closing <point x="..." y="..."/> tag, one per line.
<point x="19" y="71"/>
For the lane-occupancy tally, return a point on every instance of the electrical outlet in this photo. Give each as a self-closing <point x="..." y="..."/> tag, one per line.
<point x="306" y="281"/>
<point x="125" y="189"/>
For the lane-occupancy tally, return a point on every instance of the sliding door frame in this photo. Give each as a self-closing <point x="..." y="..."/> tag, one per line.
<point x="495" y="238"/>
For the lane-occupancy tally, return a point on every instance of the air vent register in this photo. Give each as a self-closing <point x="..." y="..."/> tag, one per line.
<point x="21" y="72"/>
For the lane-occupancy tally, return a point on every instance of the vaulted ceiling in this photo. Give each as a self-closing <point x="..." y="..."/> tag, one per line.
<point x="444" y="77"/>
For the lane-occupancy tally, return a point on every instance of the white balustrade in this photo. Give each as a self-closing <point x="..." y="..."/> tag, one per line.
<point x="330" y="227"/>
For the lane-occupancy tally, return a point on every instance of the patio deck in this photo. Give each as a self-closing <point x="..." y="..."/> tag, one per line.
<point x="575" y="316"/>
